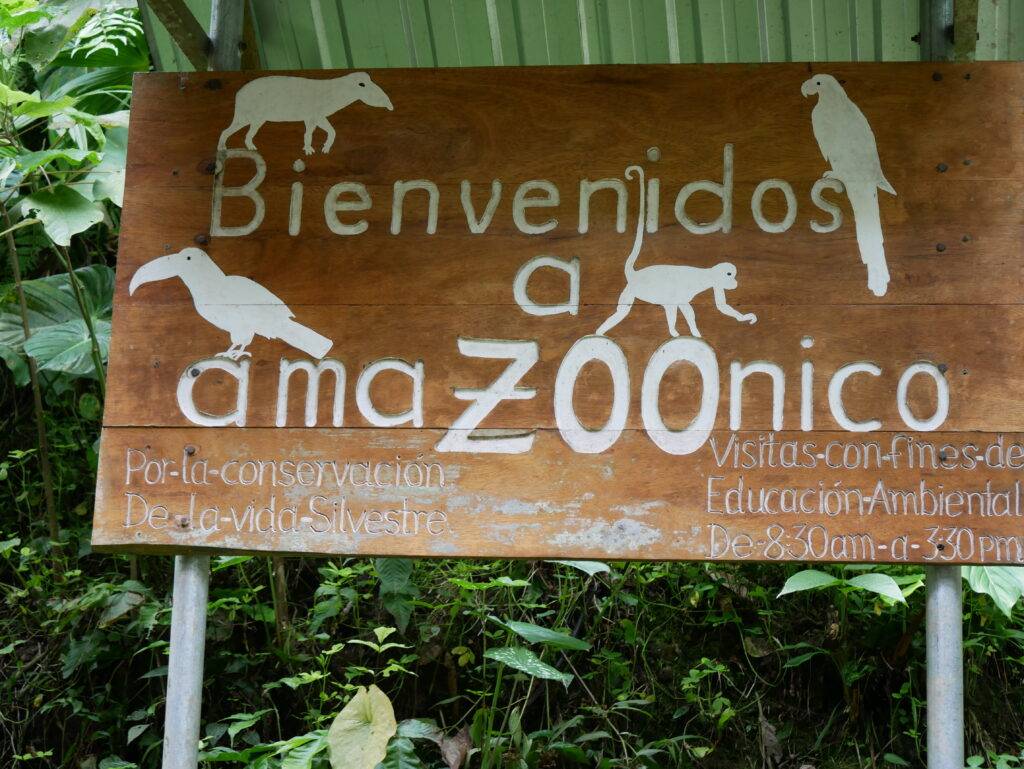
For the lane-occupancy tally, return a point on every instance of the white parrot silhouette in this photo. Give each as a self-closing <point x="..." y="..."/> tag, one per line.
<point x="847" y="142"/>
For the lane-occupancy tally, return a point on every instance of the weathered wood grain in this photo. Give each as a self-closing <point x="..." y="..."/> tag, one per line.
<point x="950" y="142"/>
<point x="633" y="502"/>
<point x="981" y="351"/>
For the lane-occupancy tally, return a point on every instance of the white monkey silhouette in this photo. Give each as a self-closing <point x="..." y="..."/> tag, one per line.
<point x="671" y="286"/>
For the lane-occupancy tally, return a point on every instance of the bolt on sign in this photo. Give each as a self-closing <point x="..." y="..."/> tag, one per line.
<point x="664" y="312"/>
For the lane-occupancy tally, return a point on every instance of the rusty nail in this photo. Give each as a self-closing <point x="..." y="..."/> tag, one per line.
<point x="942" y="168"/>
<point x="202" y="239"/>
<point x="943" y="368"/>
<point x="967" y="161"/>
<point x="194" y="372"/>
<point x="940" y="247"/>
<point x="213" y="84"/>
<point x="965" y="239"/>
<point x="182" y="522"/>
<point x="936" y="76"/>
<point x="190" y="450"/>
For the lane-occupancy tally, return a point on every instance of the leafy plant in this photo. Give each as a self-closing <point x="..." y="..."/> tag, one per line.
<point x="874" y="582"/>
<point x="60" y="340"/>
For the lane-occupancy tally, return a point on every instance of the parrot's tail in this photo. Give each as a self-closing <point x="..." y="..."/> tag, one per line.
<point x="305" y="339"/>
<point x="864" y="201"/>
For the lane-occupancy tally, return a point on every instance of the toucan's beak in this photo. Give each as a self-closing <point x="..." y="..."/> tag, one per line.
<point x="161" y="268"/>
<point x="387" y="103"/>
<point x="805" y="89"/>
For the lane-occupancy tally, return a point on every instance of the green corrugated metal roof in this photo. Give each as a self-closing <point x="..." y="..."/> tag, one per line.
<point x="311" y="34"/>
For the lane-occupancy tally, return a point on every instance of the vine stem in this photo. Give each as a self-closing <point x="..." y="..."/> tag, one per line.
<point x="37" y="396"/>
<point x="76" y="287"/>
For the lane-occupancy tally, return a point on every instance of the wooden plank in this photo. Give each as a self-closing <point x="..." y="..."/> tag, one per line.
<point x="144" y="377"/>
<point x="632" y="502"/>
<point x="588" y="445"/>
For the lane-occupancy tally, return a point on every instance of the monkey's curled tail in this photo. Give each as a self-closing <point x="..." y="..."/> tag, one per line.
<point x="641" y="221"/>
<point x="864" y="201"/>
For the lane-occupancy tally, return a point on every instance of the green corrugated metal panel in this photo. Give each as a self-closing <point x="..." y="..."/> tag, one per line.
<point x="1001" y="30"/>
<point x="308" y="34"/>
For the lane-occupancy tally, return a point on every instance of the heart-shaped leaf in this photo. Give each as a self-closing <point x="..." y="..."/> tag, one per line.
<point x="359" y="735"/>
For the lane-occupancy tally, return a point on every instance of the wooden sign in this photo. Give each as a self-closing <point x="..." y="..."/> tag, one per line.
<point x="651" y="312"/>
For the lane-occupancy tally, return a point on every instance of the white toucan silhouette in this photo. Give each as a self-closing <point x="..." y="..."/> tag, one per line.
<point x="238" y="305"/>
<point x="286" y="99"/>
<point x="847" y="142"/>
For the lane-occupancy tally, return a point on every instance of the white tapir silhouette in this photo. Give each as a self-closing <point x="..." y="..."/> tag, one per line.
<point x="285" y="99"/>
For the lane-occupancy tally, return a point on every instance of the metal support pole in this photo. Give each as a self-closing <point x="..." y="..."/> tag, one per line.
<point x="185" y="668"/>
<point x="192" y="572"/>
<point x="944" y="606"/>
<point x="944" y="631"/>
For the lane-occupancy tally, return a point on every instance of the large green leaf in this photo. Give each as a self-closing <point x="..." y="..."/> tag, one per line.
<point x="397" y="590"/>
<point x="420" y="729"/>
<point x="51" y="303"/>
<point x="808" y="579"/>
<point x="107" y="178"/>
<point x="44" y="41"/>
<point x="300" y="752"/>
<point x="359" y="735"/>
<point x="113" y="37"/>
<point x="67" y="347"/>
<point x="16" y="363"/>
<point x="882" y="584"/>
<point x="394" y="573"/>
<point x="19" y="15"/>
<point x="526" y="661"/>
<point x="30" y="161"/>
<point x="1004" y="584"/>
<point x="588" y="567"/>
<point x="875" y="582"/>
<point x="33" y="110"/>
<point x="63" y="212"/>
<point x="401" y="754"/>
<point x="537" y="634"/>
<point x="10" y="97"/>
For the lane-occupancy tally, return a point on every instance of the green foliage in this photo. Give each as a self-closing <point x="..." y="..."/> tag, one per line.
<point x="812" y="579"/>
<point x="537" y="634"/>
<point x="63" y="212"/>
<point x="525" y="661"/>
<point x="1004" y="584"/>
<point x="59" y="340"/>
